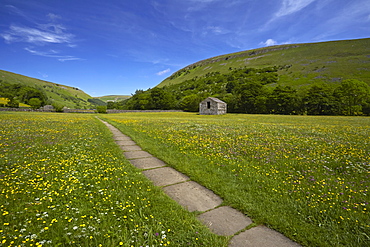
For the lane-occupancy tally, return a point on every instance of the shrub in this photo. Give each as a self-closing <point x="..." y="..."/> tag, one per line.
<point x="58" y="107"/>
<point x="35" y="103"/>
<point x="101" y="109"/>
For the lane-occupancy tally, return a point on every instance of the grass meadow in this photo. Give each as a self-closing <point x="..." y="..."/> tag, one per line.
<point x="64" y="182"/>
<point x="307" y="177"/>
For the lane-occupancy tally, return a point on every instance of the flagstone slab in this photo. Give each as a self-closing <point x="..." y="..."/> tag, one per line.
<point x="261" y="236"/>
<point x="114" y="130"/>
<point x="193" y="196"/>
<point x="126" y="143"/>
<point x="165" y="176"/>
<point x="136" y="154"/>
<point x="121" y="138"/>
<point x="130" y="148"/>
<point x="225" y="221"/>
<point x="147" y="163"/>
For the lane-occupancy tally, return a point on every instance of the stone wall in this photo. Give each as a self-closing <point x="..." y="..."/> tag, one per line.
<point x="212" y="106"/>
<point x="25" y="109"/>
<point x="82" y="110"/>
<point x="126" y="111"/>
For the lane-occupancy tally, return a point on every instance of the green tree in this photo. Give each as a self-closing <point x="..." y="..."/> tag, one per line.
<point x="232" y="101"/>
<point x="35" y="103"/>
<point x="366" y="108"/>
<point x="319" y="100"/>
<point x="284" y="100"/>
<point x="351" y="95"/>
<point x="13" y="102"/>
<point x="190" y="103"/>
<point x="112" y="105"/>
<point x="101" y="109"/>
<point x="138" y="101"/>
<point x="251" y="95"/>
<point x="26" y="93"/>
<point x="161" y="99"/>
<point x="58" y="107"/>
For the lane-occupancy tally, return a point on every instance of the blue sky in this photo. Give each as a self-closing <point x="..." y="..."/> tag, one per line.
<point x="109" y="47"/>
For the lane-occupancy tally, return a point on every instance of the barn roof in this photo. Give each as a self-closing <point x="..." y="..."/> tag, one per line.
<point x="215" y="100"/>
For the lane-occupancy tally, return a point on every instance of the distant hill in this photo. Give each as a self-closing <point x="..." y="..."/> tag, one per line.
<point x="328" y="78"/>
<point x="70" y="97"/>
<point x="113" y="98"/>
<point x="305" y="64"/>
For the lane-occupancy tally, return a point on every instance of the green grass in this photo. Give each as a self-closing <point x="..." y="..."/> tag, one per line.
<point x="64" y="182"/>
<point x="307" y="177"/>
<point x="325" y="62"/>
<point x="113" y="97"/>
<point x="68" y="96"/>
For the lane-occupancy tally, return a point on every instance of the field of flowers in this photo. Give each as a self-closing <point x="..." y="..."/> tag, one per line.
<point x="307" y="177"/>
<point x="64" y="182"/>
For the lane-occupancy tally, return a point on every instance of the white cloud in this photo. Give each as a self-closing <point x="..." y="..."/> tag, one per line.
<point x="351" y="17"/>
<point x="288" y="7"/>
<point x="15" y="10"/>
<point x="269" y="42"/>
<point x="68" y="58"/>
<point x="53" y="17"/>
<point x="204" y="1"/>
<point x="292" y="6"/>
<point x="163" y="72"/>
<point x="41" y="35"/>
<point x="53" y="54"/>
<point x="43" y="75"/>
<point x="217" y="30"/>
<point x="37" y="36"/>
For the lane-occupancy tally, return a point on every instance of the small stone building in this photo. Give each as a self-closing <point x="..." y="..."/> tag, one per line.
<point x="47" y="108"/>
<point x="212" y="106"/>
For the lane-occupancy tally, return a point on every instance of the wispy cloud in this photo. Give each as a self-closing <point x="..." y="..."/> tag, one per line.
<point x="204" y="1"/>
<point x="45" y="35"/>
<point x="36" y="33"/>
<point x="43" y="75"/>
<point x="287" y="7"/>
<point x="54" y="17"/>
<point x="69" y="58"/>
<point x="163" y="72"/>
<point x="17" y="11"/>
<point x="218" y="30"/>
<point x="291" y="6"/>
<point x="37" y="36"/>
<point x="53" y="54"/>
<point x="351" y="17"/>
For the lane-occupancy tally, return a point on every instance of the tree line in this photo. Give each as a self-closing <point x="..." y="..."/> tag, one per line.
<point x="36" y="97"/>
<point x="255" y="91"/>
<point x="18" y="93"/>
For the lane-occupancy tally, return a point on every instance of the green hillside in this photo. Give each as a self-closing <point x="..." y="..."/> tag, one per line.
<point x="56" y="93"/>
<point x="113" y="98"/>
<point x="326" y="62"/>
<point x="329" y="78"/>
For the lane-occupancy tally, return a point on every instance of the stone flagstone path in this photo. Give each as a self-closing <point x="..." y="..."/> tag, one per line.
<point x="221" y="220"/>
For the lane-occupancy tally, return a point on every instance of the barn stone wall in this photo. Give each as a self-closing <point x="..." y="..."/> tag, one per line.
<point x="212" y="106"/>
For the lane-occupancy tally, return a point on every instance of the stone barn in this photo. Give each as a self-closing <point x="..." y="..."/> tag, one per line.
<point x="212" y="106"/>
